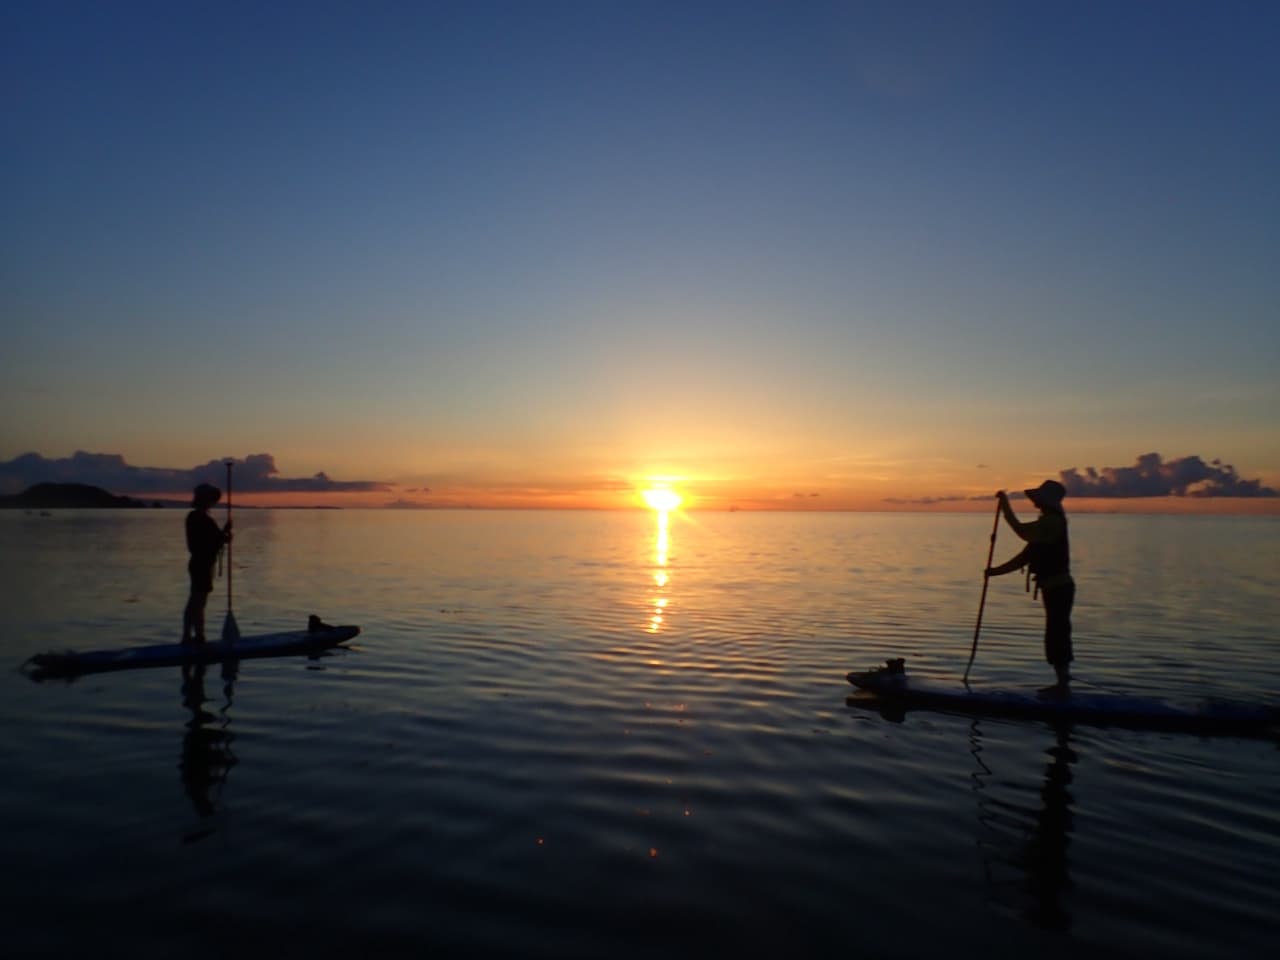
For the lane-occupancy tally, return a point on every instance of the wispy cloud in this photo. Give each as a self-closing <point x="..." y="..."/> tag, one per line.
<point x="255" y="473"/>
<point x="930" y="501"/>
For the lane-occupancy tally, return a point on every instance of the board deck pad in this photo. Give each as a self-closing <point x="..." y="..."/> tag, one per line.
<point x="70" y="664"/>
<point x="891" y="685"/>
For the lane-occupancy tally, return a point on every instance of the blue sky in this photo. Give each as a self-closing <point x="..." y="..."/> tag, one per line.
<point x="850" y="248"/>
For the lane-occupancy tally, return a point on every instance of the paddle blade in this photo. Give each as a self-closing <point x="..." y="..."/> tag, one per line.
<point x="230" y="631"/>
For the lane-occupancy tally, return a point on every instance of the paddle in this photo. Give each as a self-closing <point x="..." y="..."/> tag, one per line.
<point x="991" y="552"/>
<point x="230" y="631"/>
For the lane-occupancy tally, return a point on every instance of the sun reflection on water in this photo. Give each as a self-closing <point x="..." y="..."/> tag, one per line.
<point x="661" y="580"/>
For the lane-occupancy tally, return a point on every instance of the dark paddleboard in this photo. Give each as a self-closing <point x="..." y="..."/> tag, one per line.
<point x="891" y="687"/>
<point x="70" y="664"/>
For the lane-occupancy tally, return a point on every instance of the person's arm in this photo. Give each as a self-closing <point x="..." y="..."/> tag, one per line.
<point x="1023" y="530"/>
<point x="1015" y="563"/>
<point x="1047" y="529"/>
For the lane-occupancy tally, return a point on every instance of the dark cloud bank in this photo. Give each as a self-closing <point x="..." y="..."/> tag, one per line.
<point x="1150" y="476"/>
<point x="255" y="473"/>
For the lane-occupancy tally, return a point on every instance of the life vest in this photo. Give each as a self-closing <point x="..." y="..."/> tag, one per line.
<point x="1050" y="563"/>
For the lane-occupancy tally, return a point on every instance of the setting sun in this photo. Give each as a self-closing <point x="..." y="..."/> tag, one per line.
<point x="662" y="499"/>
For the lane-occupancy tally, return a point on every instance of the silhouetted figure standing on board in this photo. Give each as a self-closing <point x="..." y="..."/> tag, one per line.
<point x="204" y="541"/>
<point x="1047" y="556"/>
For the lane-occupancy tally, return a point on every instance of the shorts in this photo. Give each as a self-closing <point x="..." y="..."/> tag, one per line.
<point x="201" y="577"/>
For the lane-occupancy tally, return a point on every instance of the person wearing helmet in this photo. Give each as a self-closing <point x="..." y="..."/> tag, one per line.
<point x="204" y="542"/>
<point x="1047" y="557"/>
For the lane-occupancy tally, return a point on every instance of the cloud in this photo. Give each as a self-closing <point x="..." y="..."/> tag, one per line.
<point x="1152" y="476"/>
<point x="929" y="501"/>
<point x="255" y="473"/>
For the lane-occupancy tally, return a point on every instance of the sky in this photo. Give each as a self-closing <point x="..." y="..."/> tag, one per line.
<point x="773" y="255"/>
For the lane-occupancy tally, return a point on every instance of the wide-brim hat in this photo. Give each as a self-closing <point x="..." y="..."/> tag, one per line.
<point x="1048" y="494"/>
<point x="207" y="493"/>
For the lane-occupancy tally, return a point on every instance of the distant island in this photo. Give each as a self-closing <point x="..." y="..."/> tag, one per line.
<point x="58" y="496"/>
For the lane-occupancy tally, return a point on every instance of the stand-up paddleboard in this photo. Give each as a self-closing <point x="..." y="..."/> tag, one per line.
<point x="889" y="686"/>
<point x="316" y="638"/>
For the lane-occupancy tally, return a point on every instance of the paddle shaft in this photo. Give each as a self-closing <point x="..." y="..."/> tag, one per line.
<point x="229" y="567"/>
<point x="977" y="627"/>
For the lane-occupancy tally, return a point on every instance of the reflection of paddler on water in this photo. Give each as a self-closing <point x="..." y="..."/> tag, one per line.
<point x="206" y="746"/>
<point x="1047" y="557"/>
<point x="1033" y="843"/>
<point x="1046" y="851"/>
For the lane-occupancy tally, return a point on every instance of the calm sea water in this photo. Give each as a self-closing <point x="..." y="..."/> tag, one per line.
<point x="582" y="734"/>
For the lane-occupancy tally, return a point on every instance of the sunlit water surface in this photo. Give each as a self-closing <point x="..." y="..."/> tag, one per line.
<point x="585" y="734"/>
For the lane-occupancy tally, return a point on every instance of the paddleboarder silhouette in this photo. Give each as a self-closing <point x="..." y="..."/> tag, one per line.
<point x="204" y="542"/>
<point x="1047" y="557"/>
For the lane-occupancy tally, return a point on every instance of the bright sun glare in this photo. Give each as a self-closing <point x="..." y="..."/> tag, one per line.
<point x="661" y="498"/>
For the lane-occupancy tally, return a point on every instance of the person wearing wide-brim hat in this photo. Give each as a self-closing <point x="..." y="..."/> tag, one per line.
<point x="1047" y="556"/>
<point x="204" y="542"/>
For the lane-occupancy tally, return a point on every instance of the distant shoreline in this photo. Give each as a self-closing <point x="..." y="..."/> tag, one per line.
<point x="82" y="496"/>
<point x="78" y="496"/>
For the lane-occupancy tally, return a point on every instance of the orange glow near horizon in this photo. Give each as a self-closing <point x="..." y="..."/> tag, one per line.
<point x="663" y="499"/>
